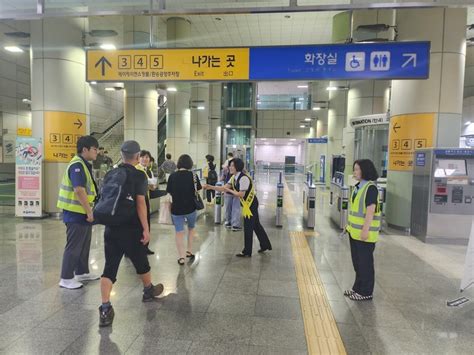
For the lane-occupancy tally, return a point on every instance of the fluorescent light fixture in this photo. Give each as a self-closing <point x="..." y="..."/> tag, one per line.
<point x="13" y="49"/>
<point x="108" y="47"/>
<point x="307" y="119"/>
<point x="335" y="88"/>
<point x="227" y="126"/>
<point x="301" y="99"/>
<point x="302" y="86"/>
<point x="317" y="108"/>
<point x="26" y="101"/>
<point x="109" y="89"/>
<point x="201" y="108"/>
<point x="172" y="89"/>
<point x="302" y="126"/>
<point x="93" y="82"/>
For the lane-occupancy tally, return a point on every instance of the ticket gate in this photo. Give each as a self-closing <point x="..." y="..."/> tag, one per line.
<point x="218" y="205"/>
<point x="309" y="202"/>
<point x="339" y="204"/>
<point x="279" y="203"/>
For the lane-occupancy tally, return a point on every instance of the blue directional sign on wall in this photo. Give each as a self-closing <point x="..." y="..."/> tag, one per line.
<point x="394" y="60"/>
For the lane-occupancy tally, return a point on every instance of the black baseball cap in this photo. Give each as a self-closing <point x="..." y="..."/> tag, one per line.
<point x="130" y="147"/>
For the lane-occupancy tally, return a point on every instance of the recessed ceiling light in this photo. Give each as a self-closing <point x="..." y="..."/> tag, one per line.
<point x="26" y="101"/>
<point x="13" y="49"/>
<point x="227" y="126"/>
<point x="307" y="119"/>
<point x="302" y="86"/>
<point x="93" y="82"/>
<point x="172" y="89"/>
<point x="109" y="89"/>
<point x="108" y="47"/>
<point x="201" y="108"/>
<point x="302" y="126"/>
<point x="317" y="108"/>
<point x="335" y="88"/>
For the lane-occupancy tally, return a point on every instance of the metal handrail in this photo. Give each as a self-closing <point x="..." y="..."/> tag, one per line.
<point x="108" y="128"/>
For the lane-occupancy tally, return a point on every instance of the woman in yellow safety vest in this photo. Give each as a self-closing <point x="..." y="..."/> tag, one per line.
<point x="363" y="228"/>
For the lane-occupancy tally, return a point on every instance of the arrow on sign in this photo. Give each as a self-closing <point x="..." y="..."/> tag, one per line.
<point x="78" y="123"/>
<point x="103" y="61"/>
<point x="396" y="127"/>
<point x="411" y="59"/>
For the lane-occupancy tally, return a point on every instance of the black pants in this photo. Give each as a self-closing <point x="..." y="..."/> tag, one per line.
<point x="124" y="240"/>
<point x="251" y="225"/>
<point x="363" y="261"/>
<point x="210" y="194"/>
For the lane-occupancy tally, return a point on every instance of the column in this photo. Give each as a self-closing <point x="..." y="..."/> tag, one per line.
<point x="141" y="99"/>
<point x="441" y="94"/>
<point x="200" y="123"/>
<point x="178" y="124"/>
<point x="336" y="122"/>
<point x="58" y="83"/>
<point x="215" y="103"/>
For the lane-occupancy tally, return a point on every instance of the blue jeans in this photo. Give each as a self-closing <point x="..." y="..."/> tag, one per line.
<point x="179" y="220"/>
<point x="233" y="210"/>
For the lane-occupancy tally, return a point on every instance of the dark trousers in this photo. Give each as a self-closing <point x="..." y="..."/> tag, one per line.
<point x="363" y="261"/>
<point x="76" y="252"/>
<point x="124" y="240"/>
<point x="251" y="225"/>
<point x="210" y="195"/>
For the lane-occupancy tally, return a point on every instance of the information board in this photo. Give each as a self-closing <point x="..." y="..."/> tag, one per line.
<point x="61" y="132"/>
<point x="355" y="61"/>
<point x="28" y="158"/>
<point x="408" y="133"/>
<point x="197" y="64"/>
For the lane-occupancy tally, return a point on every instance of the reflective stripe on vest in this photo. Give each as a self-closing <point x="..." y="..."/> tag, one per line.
<point x="357" y="213"/>
<point x="141" y="168"/>
<point x="246" y="201"/>
<point x="67" y="199"/>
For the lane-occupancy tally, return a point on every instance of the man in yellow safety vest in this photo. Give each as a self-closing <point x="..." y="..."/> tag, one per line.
<point x="77" y="194"/>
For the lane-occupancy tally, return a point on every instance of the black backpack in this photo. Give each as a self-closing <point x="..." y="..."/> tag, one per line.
<point x="116" y="205"/>
<point x="212" y="177"/>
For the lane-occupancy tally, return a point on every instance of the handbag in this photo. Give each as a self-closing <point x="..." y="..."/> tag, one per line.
<point x="165" y="212"/>
<point x="198" y="203"/>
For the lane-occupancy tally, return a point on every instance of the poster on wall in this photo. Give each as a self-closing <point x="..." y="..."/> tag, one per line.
<point x="61" y="132"/>
<point x="9" y="148"/>
<point x="29" y="157"/>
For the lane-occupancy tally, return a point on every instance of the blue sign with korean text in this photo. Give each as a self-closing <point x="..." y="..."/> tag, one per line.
<point x="394" y="60"/>
<point x="420" y="159"/>
<point x="455" y="152"/>
<point x="317" y="140"/>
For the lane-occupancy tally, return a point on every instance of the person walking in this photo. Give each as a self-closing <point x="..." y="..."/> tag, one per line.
<point x="242" y="187"/>
<point x="211" y="177"/>
<point x="77" y="194"/>
<point x="363" y="228"/>
<point x="183" y="186"/>
<point x="168" y="166"/>
<point x="128" y="238"/>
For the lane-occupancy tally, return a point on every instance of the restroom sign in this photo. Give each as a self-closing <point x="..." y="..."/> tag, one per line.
<point x="407" y="134"/>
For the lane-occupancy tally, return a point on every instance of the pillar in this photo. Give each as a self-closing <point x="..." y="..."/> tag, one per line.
<point x="178" y="130"/>
<point x="441" y="94"/>
<point x="215" y="103"/>
<point x="141" y="99"/>
<point x="336" y="121"/>
<point x="200" y="123"/>
<point x="58" y="83"/>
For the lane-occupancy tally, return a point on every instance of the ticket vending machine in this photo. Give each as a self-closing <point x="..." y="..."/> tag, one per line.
<point x="442" y="195"/>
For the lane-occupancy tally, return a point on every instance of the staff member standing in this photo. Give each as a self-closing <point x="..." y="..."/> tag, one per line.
<point x="363" y="228"/>
<point x="77" y="194"/>
<point x="241" y="186"/>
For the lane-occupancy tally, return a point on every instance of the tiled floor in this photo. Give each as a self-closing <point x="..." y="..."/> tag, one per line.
<point x="223" y="304"/>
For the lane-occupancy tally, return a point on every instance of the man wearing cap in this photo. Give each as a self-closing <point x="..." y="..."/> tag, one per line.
<point x="129" y="239"/>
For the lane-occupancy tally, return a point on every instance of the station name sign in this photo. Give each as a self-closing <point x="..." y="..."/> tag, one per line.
<point x="370" y="120"/>
<point x="394" y="60"/>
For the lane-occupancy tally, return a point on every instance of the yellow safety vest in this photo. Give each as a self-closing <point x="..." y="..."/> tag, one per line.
<point x="141" y="168"/>
<point x="67" y="199"/>
<point x="246" y="202"/>
<point x="357" y="212"/>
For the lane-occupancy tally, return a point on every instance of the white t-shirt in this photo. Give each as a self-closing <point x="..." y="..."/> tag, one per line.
<point x="244" y="183"/>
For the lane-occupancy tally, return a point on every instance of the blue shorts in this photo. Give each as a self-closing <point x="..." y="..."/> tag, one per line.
<point x="178" y="221"/>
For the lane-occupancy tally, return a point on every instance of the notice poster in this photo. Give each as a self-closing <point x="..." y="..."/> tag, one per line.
<point x="29" y="157"/>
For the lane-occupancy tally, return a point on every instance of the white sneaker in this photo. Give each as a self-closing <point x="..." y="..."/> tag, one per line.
<point x="70" y="284"/>
<point x="87" y="277"/>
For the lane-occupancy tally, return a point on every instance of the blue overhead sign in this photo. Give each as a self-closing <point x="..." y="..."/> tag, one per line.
<point x="394" y="60"/>
<point x="317" y="140"/>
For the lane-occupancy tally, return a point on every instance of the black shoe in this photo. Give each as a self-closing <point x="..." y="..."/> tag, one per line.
<point x="264" y="250"/>
<point x="236" y="229"/>
<point x="106" y="317"/>
<point x="149" y="252"/>
<point x="228" y="225"/>
<point x="153" y="292"/>
<point x="242" y="255"/>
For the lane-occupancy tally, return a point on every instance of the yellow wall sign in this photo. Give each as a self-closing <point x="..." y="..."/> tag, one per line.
<point x="61" y="132"/>
<point x="408" y="133"/>
<point x="24" y="132"/>
<point x="168" y="64"/>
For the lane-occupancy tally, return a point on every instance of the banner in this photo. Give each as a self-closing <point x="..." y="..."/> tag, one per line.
<point x="29" y="157"/>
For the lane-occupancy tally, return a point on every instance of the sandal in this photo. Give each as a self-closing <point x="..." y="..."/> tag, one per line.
<point x="190" y="255"/>
<point x="181" y="261"/>
<point x="347" y="293"/>
<point x="356" y="297"/>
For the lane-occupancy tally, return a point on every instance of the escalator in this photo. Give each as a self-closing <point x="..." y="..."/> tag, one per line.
<point x="162" y="117"/>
